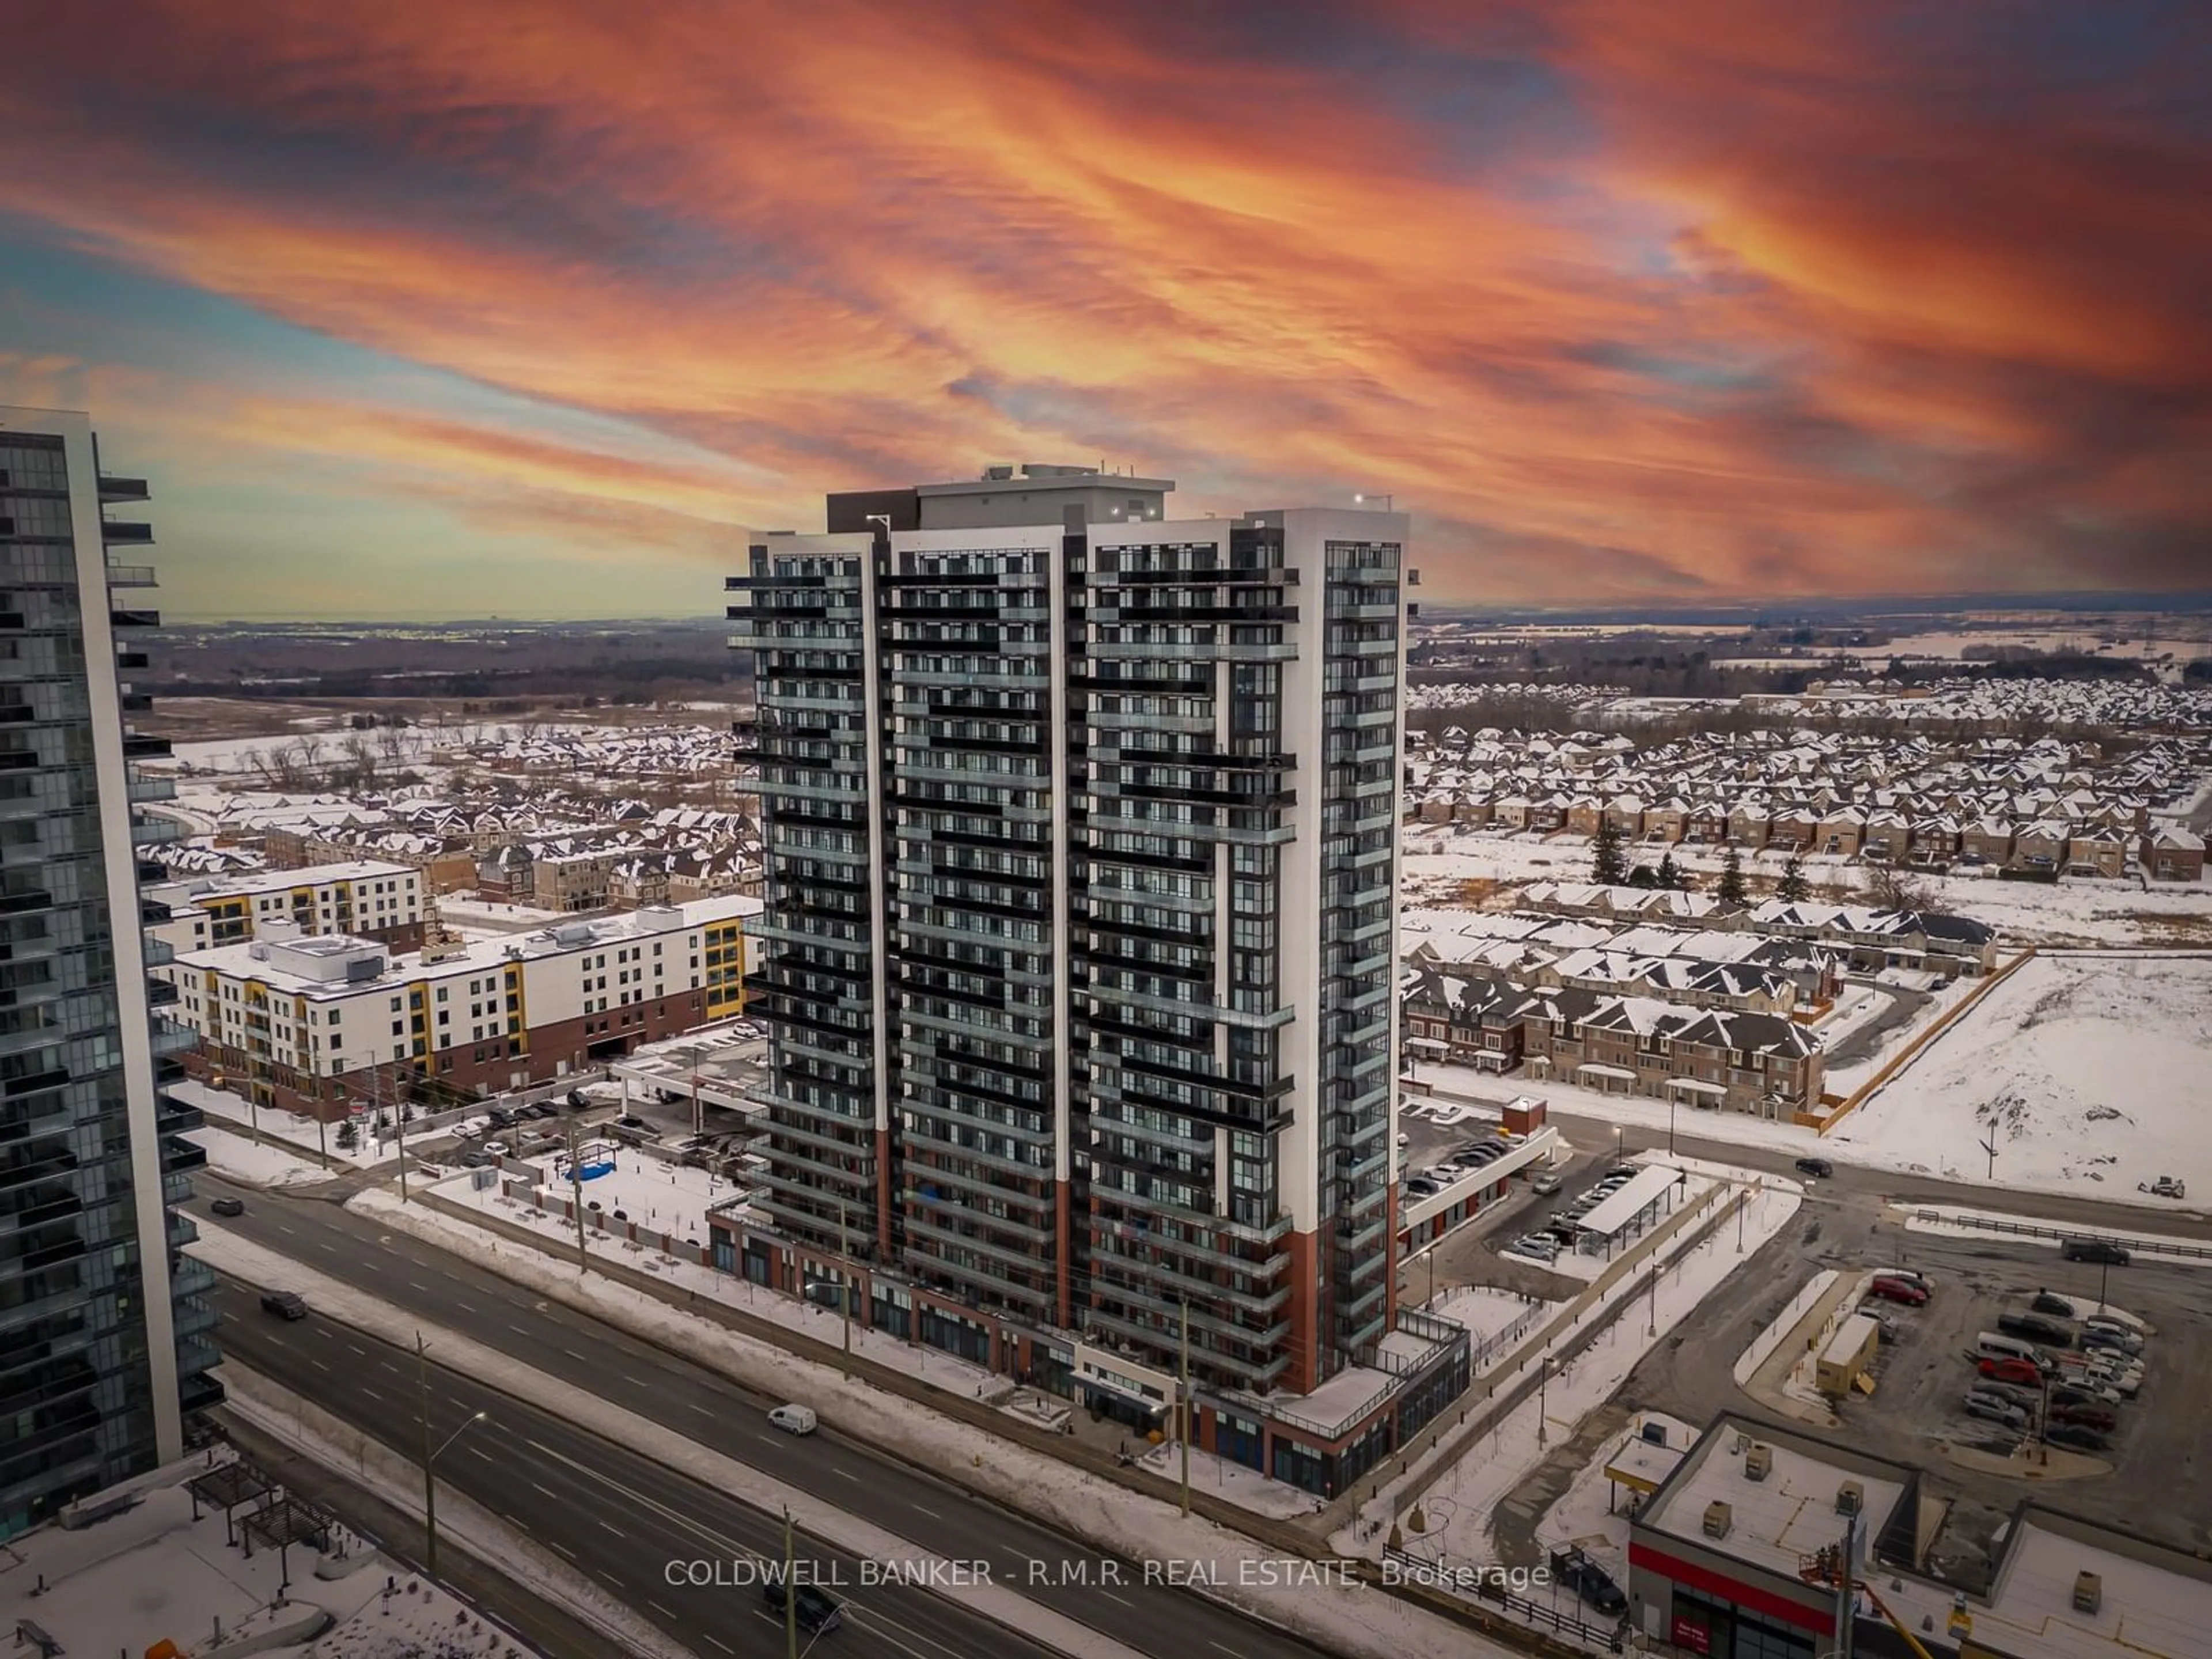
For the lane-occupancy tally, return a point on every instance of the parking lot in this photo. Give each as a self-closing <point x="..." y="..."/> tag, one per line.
<point x="1919" y="1410"/>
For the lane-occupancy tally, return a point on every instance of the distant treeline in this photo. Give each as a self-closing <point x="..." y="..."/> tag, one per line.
<point x="618" y="680"/>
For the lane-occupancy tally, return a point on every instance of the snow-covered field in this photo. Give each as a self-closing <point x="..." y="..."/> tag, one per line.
<point x="1437" y="862"/>
<point x="2091" y="1072"/>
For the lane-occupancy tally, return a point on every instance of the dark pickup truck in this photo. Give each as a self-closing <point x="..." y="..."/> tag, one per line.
<point x="1590" y="1581"/>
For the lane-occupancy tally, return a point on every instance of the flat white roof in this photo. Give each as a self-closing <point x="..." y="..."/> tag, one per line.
<point x="1776" y="1523"/>
<point x="1850" y="1338"/>
<point x="1645" y="1187"/>
<point x="241" y="961"/>
<point x="2145" y="1608"/>
<point x="284" y="881"/>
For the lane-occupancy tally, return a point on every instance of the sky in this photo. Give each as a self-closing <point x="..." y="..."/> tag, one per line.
<point x="530" y="307"/>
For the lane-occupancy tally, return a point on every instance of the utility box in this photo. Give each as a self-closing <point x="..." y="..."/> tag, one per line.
<point x="2088" y="1592"/>
<point x="1718" y="1519"/>
<point x="1759" y="1463"/>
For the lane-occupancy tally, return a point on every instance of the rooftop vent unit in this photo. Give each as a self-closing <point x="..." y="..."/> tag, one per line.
<point x="1759" y="1463"/>
<point x="1851" y="1499"/>
<point x="1718" y="1519"/>
<point x="2088" y="1591"/>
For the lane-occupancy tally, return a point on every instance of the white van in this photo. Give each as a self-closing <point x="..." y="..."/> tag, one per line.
<point x="1990" y="1345"/>
<point x="795" y="1419"/>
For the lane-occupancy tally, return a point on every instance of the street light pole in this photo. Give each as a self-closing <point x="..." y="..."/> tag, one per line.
<point x="430" y="1460"/>
<point x="790" y="1593"/>
<point x="1543" y="1416"/>
<point x="1182" y="1403"/>
<point x="1673" y="1101"/>
<point x="845" y="1290"/>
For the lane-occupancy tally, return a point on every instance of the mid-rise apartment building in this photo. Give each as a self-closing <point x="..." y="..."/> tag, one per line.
<point x="366" y="897"/>
<point x="104" y="1344"/>
<point x="1081" y="852"/>
<point x="319" y="1023"/>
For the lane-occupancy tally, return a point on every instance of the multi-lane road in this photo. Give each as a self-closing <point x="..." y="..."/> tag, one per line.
<point x="380" y="1392"/>
<point x="617" y="1517"/>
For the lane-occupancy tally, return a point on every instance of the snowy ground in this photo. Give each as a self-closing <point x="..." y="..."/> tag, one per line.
<point x="1362" y="1624"/>
<point x="2090" y="1070"/>
<point x="1592" y="1514"/>
<point x="1437" y="862"/>
<point x="666" y="1198"/>
<point x="295" y="1132"/>
<point x="153" y="1572"/>
<point x="268" y="1164"/>
<point x="1493" y="1464"/>
<point x="1485" y="1310"/>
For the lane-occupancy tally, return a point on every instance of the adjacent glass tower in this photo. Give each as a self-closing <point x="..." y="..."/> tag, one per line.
<point x="1080" y="878"/>
<point x="104" y="1345"/>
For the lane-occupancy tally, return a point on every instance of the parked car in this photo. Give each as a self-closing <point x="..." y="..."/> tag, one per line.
<point x="2103" y="1418"/>
<point x="1819" y="1168"/>
<point x="1590" y="1581"/>
<point x="2165" y="1187"/>
<point x="500" y="1117"/>
<point x="285" y="1304"/>
<point x="2094" y="1250"/>
<point x="473" y="1160"/>
<point x="1994" y="1410"/>
<point x="541" y="1111"/>
<point x="2037" y="1327"/>
<point x="2011" y="1394"/>
<point x="816" y="1610"/>
<point x="2108" y="1336"/>
<point x="2058" y="1306"/>
<point x="1898" y="1290"/>
<point x="2079" y="1436"/>
<point x="2082" y="1393"/>
<point x="2008" y="1371"/>
<point x="1422" y="1186"/>
<point x="228" y="1206"/>
<point x="1545" y="1185"/>
<point x="1883" y="1323"/>
<point x="497" y="1149"/>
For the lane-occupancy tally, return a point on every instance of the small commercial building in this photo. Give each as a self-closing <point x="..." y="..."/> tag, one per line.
<point x="1724" y="1562"/>
<point x="1846" y="1362"/>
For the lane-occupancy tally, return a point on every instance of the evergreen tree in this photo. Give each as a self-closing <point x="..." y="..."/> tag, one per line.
<point x="1731" y="887"/>
<point x="1641" y="876"/>
<point x="1792" y="890"/>
<point x="1672" y="876"/>
<point x="349" y="1135"/>
<point x="1607" y="866"/>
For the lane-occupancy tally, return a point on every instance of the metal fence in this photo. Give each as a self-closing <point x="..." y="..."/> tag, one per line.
<point x="2133" y="1245"/>
<point x="1480" y="1587"/>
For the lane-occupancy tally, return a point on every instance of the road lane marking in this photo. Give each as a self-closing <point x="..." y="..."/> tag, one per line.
<point x="556" y="1543"/>
<point x="462" y="1305"/>
<point x="281" y="1228"/>
<point x="718" y="1642"/>
<point x="486" y="1456"/>
<point x="1123" y="1600"/>
<point x="704" y="1411"/>
<point x="534" y="1487"/>
<point x="418" y="1284"/>
<point x="658" y="1609"/>
<point x="1231" y="1652"/>
<point x="372" y="1394"/>
<point x="847" y="1474"/>
<point x="639" y="1381"/>
<point x="324" y="1332"/>
<point x="572" y="1354"/>
<point x="317" y="1364"/>
<point x="611" y="1527"/>
<point x="931" y="1514"/>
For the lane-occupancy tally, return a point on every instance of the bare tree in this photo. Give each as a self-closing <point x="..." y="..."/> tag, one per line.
<point x="1893" y="889"/>
<point x="360" y="756"/>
